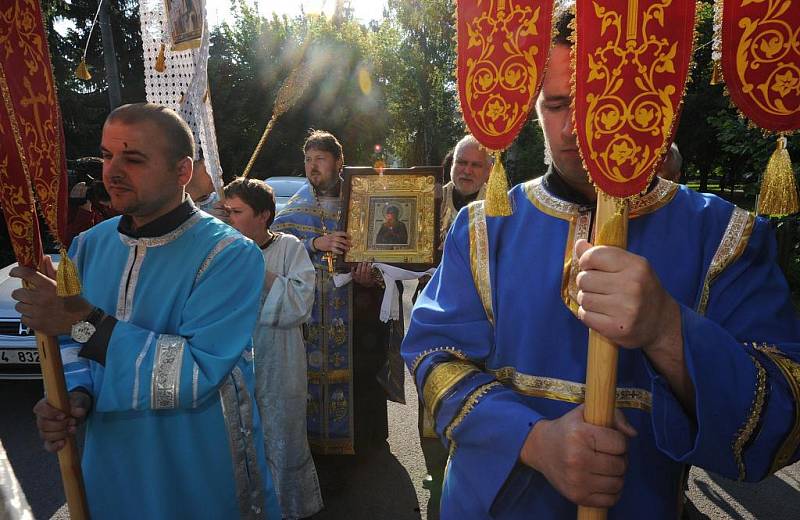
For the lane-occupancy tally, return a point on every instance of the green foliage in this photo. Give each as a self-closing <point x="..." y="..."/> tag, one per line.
<point x="84" y="104"/>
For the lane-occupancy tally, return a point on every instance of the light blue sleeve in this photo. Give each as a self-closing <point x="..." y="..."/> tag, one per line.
<point x="155" y="370"/>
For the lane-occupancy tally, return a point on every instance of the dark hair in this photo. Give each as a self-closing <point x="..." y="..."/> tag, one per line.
<point x="89" y="167"/>
<point x="323" y="141"/>
<point x="177" y="134"/>
<point x="255" y="193"/>
<point x="394" y="210"/>
<point x="447" y="165"/>
<point x="563" y="25"/>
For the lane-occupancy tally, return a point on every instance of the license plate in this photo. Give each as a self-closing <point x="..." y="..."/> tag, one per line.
<point x="19" y="357"/>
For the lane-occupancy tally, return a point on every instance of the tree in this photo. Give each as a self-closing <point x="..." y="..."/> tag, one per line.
<point x="84" y="104"/>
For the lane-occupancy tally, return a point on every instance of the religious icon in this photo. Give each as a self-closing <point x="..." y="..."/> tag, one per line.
<point x="392" y="216"/>
<point x="392" y="222"/>
<point x="186" y="23"/>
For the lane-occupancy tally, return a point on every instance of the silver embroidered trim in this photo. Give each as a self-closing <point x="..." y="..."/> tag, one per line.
<point x="237" y="411"/>
<point x="123" y="284"/>
<point x="130" y="290"/>
<point x="166" y="379"/>
<point x="195" y="384"/>
<point x="247" y="354"/>
<point x="535" y="189"/>
<point x="163" y="239"/>
<point x="137" y="373"/>
<point x="222" y="244"/>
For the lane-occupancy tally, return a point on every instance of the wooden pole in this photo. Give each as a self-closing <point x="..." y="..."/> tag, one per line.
<point x="611" y="225"/>
<point x="55" y="388"/>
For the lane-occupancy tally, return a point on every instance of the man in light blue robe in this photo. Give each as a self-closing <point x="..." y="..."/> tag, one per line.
<point x="497" y="345"/>
<point x="160" y="355"/>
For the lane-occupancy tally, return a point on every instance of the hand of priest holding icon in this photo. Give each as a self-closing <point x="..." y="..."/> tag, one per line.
<point x="337" y="242"/>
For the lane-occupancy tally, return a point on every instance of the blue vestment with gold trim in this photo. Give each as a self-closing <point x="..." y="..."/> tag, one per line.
<point x="174" y="431"/>
<point x="494" y="346"/>
<point x="346" y="342"/>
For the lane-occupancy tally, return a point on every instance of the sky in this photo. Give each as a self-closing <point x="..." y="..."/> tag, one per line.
<point x="364" y="10"/>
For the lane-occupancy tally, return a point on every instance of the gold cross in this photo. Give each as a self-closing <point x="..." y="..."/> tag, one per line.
<point x="633" y="19"/>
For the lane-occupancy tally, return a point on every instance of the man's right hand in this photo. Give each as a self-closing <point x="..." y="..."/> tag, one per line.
<point x="338" y="242"/>
<point x="585" y="463"/>
<point x="54" y="425"/>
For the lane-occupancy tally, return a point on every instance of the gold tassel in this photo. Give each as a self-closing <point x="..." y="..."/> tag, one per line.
<point x="613" y="232"/>
<point x="67" y="281"/>
<point x="778" y="196"/>
<point x="161" y="60"/>
<point x="497" y="203"/>
<point x="82" y="72"/>
<point x="716" y="73"/>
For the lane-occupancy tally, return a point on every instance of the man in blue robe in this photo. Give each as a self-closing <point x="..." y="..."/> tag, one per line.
<point x="346" y="342"/>
<point x="708" y="374"/>
<point x="157" y="350"/>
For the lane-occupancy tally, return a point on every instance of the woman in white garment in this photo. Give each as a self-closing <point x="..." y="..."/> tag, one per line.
<point x="280" y="354"/>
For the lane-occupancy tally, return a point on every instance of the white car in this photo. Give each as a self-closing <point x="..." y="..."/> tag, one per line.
<point x="19" y="357"/>
<point x="284" y="187"/>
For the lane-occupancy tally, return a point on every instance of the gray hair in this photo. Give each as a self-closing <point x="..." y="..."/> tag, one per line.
<point x="469" y="140"/>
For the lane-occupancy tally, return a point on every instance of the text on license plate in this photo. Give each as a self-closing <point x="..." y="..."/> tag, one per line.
<point x="23" y="357"/>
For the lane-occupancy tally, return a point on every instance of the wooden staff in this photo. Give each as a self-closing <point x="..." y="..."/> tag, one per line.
<point x="611" y="223"/>
<point x="69" y="461"/>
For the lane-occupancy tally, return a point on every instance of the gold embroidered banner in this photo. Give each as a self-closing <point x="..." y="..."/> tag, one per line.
<point x="760" y="50"/>
<point x="502" y="50"/>
<point x="33" y="143"/>
<point x="632" y="60"/>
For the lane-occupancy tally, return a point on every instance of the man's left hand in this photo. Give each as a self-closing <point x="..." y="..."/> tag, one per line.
<point x="621" y="297"/>
<point x="362" y="274"/>
<point x="41" y="308"/>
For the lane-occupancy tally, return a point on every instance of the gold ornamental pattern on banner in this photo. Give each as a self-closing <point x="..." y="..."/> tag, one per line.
<point x="32" y="156"/>
<point x="502" y="51"/>
<point x="633" y="58"/>
<point x="760" y="52"/>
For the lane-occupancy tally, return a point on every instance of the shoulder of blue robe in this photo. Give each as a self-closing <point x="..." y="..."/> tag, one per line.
<point x="448" y="340"/>
<point x="301" y="217"/>
<point x="180" y="367"/>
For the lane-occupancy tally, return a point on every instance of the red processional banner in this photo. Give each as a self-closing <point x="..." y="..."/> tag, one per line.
<point x="632" y="61"/>
<point x="502" y="51"/>
<point x="32" y="156"/>
<point x="760" y="50"/>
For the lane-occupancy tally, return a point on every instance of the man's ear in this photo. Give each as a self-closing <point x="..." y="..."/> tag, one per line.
<point x="264" y="216"/>
<point x="185" y="167"/>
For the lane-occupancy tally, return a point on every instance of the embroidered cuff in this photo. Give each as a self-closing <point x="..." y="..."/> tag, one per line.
<point x="441" y="380"/>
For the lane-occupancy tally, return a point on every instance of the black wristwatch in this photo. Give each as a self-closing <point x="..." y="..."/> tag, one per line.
<point x="83" y="330"/>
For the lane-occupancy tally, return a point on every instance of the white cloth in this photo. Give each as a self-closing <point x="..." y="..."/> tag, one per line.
<point x="390" y="307"/>
<point x="183" y="86"/>
<point x="281" y="376"/>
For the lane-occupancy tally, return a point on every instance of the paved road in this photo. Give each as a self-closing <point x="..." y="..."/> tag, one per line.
<point x="387" y="486"/>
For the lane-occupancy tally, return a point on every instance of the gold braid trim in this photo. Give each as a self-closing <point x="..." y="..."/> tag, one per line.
<point x="567" y="391"/>
<point x="421" y="357"/>
<point x="441" y="379"/>
<point x="469" y="405"/>
<point x="731" y="246"/>
<point x="479" y="256"/>
<point x="791" y="372"/>
<point x="746" y="431"/>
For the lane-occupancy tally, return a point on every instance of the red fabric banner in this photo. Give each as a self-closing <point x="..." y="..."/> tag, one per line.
<point x="761" y="60"/>
<point x="32" y="137"/>
<point x="502" y="50"/>
<point x="632" y="60"/>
